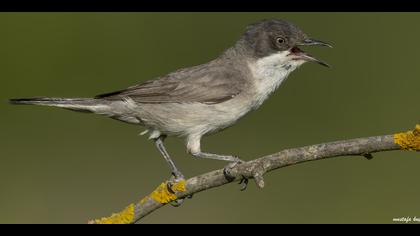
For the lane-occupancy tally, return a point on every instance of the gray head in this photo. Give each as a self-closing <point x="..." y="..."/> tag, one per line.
<point x="269" y="37"/>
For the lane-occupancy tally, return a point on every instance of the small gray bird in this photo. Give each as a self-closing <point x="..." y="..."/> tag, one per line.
<point x="200" y="100"/>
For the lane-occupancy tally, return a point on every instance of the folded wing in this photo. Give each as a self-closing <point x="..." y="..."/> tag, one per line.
<point x="196" y="84"/>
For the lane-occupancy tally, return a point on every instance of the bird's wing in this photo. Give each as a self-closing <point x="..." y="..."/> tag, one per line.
<point x="209" y="86"/>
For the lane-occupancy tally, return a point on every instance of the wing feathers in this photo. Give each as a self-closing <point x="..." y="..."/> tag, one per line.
<point x="185" y="86"/>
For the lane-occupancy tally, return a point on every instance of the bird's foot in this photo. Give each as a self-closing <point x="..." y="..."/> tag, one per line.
<point x="229" y="177"/>
<point x="175" y="178"/>
<point x="230" y="166"/>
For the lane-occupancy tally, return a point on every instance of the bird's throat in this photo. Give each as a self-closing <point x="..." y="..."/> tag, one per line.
<point x="269" y="73"/>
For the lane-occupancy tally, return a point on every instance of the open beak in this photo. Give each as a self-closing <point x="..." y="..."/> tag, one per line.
<point x="299" y="54"/>
<point x="311" y="42"/>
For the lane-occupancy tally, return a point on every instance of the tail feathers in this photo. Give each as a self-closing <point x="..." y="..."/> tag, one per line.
<point x="44" y="100"/>
<point x="75" y="104"/>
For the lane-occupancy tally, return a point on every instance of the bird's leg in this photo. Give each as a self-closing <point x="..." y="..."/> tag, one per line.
<point x="194" y="148"/>
<point x="233" y="159"/>
<point x="177" y="175"/>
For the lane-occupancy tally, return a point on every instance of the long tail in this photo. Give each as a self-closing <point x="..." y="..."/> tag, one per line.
<point x="75" y="104"/>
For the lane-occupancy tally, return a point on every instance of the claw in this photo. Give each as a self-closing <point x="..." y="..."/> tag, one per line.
<point x="368" y="156"/>
<point x="244" y="182"/>
<point x="177" y="202"/>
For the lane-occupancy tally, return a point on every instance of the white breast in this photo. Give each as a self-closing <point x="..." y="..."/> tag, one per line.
<point x="269" y="72"/>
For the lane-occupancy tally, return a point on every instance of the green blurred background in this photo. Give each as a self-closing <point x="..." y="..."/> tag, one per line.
<point x="58" y="166"/>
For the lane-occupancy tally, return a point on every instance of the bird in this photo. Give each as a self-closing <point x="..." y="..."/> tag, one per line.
<point x="197" y="101"/>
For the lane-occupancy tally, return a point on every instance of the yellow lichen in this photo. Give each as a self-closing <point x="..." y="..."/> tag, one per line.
<point x="124" y="217"/>
<point x="143" y="200"/>
<point x="179" y="187"/>
<point x="163" y="195"/>
<point x="409" y="140"/>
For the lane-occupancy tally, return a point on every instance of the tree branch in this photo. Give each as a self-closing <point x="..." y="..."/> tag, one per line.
<point x="255" y="169"/>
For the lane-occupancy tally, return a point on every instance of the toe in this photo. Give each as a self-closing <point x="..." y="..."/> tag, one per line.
<point x="244" y="183"/>
<point x="177" y="177"/>
<point x="238" y="160"/>
<point x="177" y="202"/>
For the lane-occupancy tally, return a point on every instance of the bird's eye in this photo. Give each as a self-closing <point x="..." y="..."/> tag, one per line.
<point x="280" y="40"/>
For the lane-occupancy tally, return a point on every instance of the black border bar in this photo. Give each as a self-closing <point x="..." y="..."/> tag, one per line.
<point x="209" y="6"/>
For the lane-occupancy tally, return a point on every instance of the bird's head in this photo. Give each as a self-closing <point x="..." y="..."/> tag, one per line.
<point x="280" y="39"/>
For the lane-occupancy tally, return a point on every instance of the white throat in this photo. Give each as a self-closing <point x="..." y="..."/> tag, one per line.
<point x="269" y="72"/>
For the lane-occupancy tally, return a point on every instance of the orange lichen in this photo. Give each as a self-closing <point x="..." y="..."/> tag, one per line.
<point x="409" y="140"/>
<point x="163" y="195"/>
<point x="126" y="216"/>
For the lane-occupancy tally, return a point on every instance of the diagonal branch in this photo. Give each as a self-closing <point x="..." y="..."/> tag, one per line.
<point x="168" y="193"/>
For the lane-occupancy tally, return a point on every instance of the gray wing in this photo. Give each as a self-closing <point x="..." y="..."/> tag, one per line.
<point x="195" y="84"/>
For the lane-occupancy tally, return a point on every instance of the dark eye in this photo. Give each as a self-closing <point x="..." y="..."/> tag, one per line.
<point x="280" y="40"/>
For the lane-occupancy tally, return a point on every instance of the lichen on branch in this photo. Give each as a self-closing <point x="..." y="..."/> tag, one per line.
<point x="163" y="194"/>
<point x="126" y="216"/>
<point x="409" y="140"/>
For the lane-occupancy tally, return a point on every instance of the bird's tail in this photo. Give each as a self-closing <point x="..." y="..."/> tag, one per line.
<point x="75" y="104"/>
